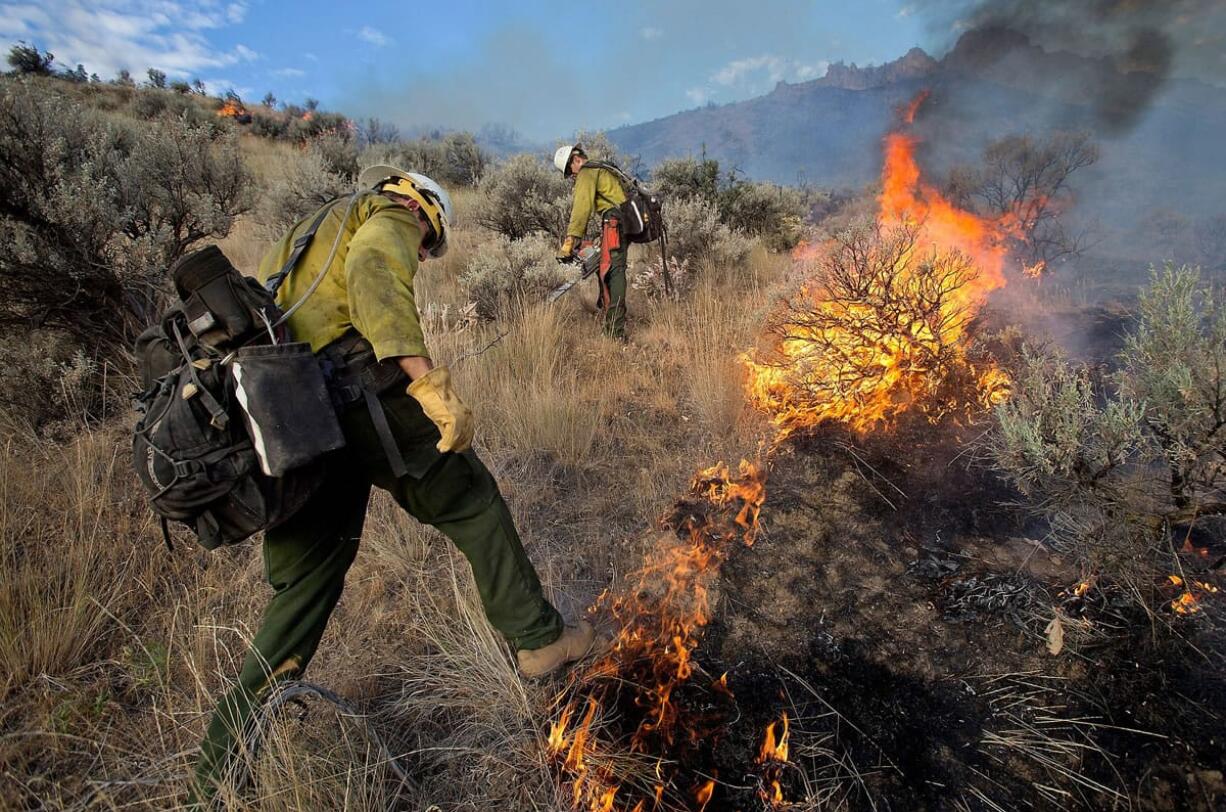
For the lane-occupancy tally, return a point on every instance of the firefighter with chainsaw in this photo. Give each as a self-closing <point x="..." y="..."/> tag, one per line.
<point x="597" y="189"/>
<point x="406" y="431"/>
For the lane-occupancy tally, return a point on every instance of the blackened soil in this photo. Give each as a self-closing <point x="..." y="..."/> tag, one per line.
<point x="907" y="646"/>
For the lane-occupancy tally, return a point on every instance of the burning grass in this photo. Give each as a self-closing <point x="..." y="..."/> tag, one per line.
<point x="630" y="699"/>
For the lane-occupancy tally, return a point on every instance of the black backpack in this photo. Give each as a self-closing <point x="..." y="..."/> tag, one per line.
<point x="191" y="447"/>
<point x="642" y="213"/>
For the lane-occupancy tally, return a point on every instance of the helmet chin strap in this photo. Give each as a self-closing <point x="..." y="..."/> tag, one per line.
<point x="430" y="236"/>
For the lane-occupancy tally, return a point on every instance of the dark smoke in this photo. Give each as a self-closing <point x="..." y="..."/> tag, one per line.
<point x="1116" y="55"/>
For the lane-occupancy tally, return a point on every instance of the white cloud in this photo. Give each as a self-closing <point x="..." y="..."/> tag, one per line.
<point x="650" y="33"/>
<point x="815" y="71"/>
<point x="218" y="87"/>
<point x="697" y="95"/>
<point x="109" y="35"/>
<point x="373" y="36"/>
<point x="760" y="72"/>
<point x="738" y="68"/>
<point x="289" y="73"/>
<point x="905" y="11"/>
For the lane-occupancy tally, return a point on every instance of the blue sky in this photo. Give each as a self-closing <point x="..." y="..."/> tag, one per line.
<point x="544" y="68"/>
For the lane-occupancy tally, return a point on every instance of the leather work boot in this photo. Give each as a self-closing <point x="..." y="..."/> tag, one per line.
<point x="575" y="643"/>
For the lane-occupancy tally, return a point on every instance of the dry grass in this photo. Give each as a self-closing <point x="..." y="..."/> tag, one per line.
<point x="113" y="650"/>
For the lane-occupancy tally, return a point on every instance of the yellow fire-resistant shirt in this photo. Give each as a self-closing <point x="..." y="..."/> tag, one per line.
<point x="369" y="286"/>
<point x="595" y="190"/>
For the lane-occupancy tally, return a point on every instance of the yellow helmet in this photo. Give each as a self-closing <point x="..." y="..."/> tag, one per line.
<point x="433" y="199"/>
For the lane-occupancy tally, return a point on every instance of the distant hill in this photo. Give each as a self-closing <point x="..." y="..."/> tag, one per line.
<point x="1161" y="144"/>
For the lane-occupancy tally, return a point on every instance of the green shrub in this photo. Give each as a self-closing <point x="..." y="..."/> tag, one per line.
<point x="523" y="196"/>
<point x="300" y="183"/>
<point x="502" y="269"/>
<point x="773" y="213"/>
<point x="1115" y="461"/>
<point x="96" y="210"/>
<point x="453" y="159"/>
<point x="696" y="235"/>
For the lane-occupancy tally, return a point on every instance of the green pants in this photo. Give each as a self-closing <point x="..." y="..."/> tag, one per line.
<point x="613" y="275"/>
<point x="305" y="560"/>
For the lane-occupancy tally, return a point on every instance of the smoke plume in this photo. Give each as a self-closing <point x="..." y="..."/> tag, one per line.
<point x="1117" y="55"/>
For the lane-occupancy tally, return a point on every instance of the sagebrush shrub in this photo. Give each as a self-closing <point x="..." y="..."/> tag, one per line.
<point x="1115" y="461"/>
<point x="301" y="182"/>
<point x="502" y="269"/>
<point x="96" y="210"/>
<point x="524" y="196"/>
<point x="696" y="235"/>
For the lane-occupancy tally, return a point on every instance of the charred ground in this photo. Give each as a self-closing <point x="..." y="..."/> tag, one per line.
<point x="906" y="642"/>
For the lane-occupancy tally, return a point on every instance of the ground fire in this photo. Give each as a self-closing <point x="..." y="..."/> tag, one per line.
<point x="628" y="697"/>
<point x="623" y="730"/>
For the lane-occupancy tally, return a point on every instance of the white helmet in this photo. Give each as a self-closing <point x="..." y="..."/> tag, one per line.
<point x="433" y="198"/>
<point x="561" y="157"/>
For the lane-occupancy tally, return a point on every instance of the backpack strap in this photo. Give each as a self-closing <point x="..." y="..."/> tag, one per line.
<point x="217" y="413"/>
<point x="273" y="284"/>
<point x="623" y="176"/>
<point x="300" y="245"/>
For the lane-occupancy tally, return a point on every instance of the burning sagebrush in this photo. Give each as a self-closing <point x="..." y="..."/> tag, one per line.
<point x="885" y="331"/>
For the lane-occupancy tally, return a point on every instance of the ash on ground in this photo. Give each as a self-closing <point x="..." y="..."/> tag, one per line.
<point x="900" y="613"/>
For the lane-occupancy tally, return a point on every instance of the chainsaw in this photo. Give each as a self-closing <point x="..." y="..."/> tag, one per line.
<point x="587" y="258"/>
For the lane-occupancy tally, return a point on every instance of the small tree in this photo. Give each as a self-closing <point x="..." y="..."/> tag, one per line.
<point x="198" y="87"/>
<point x="124" y="78"/>
<point x="269" y="100"/>
<point x="28" y="59"/>
<point x="1026" y="181"/>
<point x="312" y="104"/>
<point x="181" y="87"/>
<point x="377" y="131"/>
<point x="78" y="75"/>
<point x="157" y="78"/>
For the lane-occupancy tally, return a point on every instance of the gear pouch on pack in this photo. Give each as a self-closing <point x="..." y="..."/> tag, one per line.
<point x="223" y="308"/>
<point x="284" y="398"/>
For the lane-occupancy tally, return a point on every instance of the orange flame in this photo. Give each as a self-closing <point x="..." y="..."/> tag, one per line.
<point x="773" y="750"/>
<point x="1186" y="604"/>
<point x="773" y="755"/>
<point x="659" y="618"/>
<point x="232" y="109"/>
<point x="704" y="793"/>
<point x="853" y="361"/>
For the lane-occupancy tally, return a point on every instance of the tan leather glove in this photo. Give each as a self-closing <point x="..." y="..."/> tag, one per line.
<point x="444" y="407"/>
<point x="567" y="250"/>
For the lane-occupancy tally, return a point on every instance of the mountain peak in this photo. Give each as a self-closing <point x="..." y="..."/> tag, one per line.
<point x="915" y="63"/>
